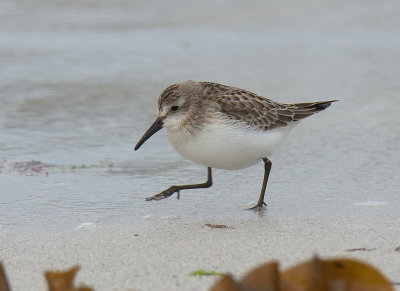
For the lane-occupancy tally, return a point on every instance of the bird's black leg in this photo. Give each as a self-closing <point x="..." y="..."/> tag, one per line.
<point x="171" y="190"/>
<point x="267" y="168"/>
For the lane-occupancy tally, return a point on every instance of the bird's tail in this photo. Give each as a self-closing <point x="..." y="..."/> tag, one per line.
<point x="303" y="110"/>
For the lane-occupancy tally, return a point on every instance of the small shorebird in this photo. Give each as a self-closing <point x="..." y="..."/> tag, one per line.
<point x="224" y="127"/>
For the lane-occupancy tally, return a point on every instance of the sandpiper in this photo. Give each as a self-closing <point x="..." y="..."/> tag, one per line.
<point x="224" y="127"/>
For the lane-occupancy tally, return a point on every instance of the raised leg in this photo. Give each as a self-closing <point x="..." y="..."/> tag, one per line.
<point x="267" y="168"/>
<point x="171" y="190"/>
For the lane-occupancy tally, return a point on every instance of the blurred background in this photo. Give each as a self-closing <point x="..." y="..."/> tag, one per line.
<point x="79" y="82"/>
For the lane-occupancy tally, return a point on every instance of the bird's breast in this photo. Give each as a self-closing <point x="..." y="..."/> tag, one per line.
<point x="225" y="145"/>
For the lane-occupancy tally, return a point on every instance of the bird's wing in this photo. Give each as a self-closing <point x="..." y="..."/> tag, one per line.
<point x="254" y="110"/>
<point x="303" y="110"/>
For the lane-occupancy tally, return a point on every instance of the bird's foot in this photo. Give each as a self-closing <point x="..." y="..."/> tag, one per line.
<point x="258" y="207"/>
<point x="164" y="194"/>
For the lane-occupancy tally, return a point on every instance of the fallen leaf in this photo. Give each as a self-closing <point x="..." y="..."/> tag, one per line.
<point x="63" y="281"/>
<point x="3" y="279"/>
<point x="227" y="284"/>
<point x="337" y="274"/>
<point x="315" y="275"/>
<point x="265" y="277"/>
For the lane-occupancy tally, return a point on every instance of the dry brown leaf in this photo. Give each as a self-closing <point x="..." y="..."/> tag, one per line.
<point x="226" y="283"/>
<point x="63" y="281"/>
<point x="3" y="279"/>
<point x="263" y="278"/>
<point x="315" y="275"/>
<point x="334" y="275"/>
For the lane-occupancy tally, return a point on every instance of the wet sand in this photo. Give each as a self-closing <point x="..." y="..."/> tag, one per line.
<point x="79" y="86"/>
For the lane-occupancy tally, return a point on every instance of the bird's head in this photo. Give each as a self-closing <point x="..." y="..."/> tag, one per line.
<point x="175" y="105"/>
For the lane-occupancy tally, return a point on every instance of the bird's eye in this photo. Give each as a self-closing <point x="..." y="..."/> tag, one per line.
<point x="174" y="108"/>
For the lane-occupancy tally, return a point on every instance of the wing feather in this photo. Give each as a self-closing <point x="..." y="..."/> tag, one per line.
<point x="257" y="111"/>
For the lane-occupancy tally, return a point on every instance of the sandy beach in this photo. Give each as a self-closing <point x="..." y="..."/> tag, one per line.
<point x="160" y="254"/>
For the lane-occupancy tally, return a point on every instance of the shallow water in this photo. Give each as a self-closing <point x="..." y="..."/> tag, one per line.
<point x="80" y="81"/>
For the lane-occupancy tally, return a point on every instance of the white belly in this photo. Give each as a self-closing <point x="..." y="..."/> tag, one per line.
<point x="227" y="146"/>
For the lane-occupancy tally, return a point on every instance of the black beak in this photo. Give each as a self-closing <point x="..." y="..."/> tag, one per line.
<point x="156" y="126"/>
